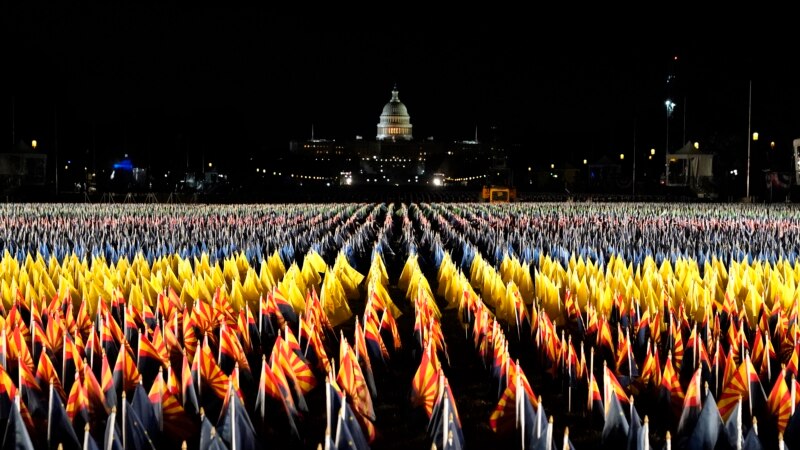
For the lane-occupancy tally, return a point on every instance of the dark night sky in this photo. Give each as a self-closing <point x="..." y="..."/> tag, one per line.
<point x="153" y="81"/>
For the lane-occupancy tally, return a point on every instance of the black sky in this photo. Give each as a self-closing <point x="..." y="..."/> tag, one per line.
<point x="155" y="80"/>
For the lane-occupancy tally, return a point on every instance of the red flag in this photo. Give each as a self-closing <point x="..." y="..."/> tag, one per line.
<point x="779" y="402"/>
<point x="212" y="376"/>
<point x="46" y="375"/>
<point x="78" y="402"/>
<point x="126" y="374"/>
<point x="739" y="385"/>
<point x="613" y="386"/>
<point x="107" y="383"/>
<point x="425" y="384"/>
<point x="351" y="379"/>
<point x="671" y="383"/>
<point x="230" y="348"/>
<point x="294" y="366"/>
<point x="177" y="423"/>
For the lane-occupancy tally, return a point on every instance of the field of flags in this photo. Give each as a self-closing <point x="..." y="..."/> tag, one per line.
<point x="330" y="326"/>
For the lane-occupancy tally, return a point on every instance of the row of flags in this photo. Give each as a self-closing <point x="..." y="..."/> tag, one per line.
<point x="169" y="348"/>
<point x="596" y="231"/>
<point x="176" y="342"/>
<point x="560" y="353"/>
<point x="123" y="231"/>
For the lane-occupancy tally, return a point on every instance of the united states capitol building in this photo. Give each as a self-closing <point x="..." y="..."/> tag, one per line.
<point x="394" y="156"/>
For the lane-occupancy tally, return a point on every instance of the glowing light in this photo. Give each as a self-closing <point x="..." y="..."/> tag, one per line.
<point x="696" y="145"/>
<point x="755" y="136"/>
<point x="652" y="151"/>
<point x="585" y="162"/>
<point x="34" y="144"/>
<point x="622" y="156"/>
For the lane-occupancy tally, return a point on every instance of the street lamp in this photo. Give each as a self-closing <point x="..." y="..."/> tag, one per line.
<point x="670" y="107"/>
<point x="34" y="144"/>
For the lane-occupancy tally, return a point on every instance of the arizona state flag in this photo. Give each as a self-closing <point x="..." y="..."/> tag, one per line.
<point x="739" y="385"/>
<point x="614" y="388"/>
<point x="425" y="384"/>
<point x="595" y="401"/>
<point x="779" y="402"/>
<point x="126" y="375"/>
<point x="671" y="386"/>
<point x="691" y="405"/>
<point x="212" y="376"/>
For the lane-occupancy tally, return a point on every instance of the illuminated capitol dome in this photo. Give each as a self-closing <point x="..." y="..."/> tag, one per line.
<point x="395" y="124"/>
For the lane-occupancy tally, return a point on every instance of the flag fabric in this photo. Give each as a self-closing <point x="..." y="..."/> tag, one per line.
<point x="188" y="393"/>
<point x="294" y="366"/>
<point x="614" y="388"/>
<point x="444" y="426"/>
<point x="501" y="418"/>
<point x="342" y="421"/>
<point x="779" y="402"/>
<point x="234" y="426"/>
<point x="424" y="385"/>
<point x="149" y="420"/>
<point x="212" y="377"/>
<point x="733" y="425"/>
<point x="230" y="350"/>
<point x="59" y="428"/>
<point x="707" y="428"/>
<point x="149" y="360"/>
<point x="595" y="402"/>
<point x="107" y="383"/>
<point x="740" y="385"/>
<point x="691" y="404"/>
<point x="351" y="380"/>
<point x="615" y="429"/>
<point x="752" y="441"/>
<point x="78" y="404"/>
<point x="126" y="374"/>
<point x="269" y="387"/>
<point x="46" y="375"/>
<point x="671" y="389"/>
<point x="134" y="435"/>
<point x="16" y="434"/>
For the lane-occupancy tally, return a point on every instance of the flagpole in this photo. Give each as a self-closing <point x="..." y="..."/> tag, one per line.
<point x="716" y="368"/>
<point x="749" y="393"/>
<point x="233" y="399"/>
<point x="50" y="414"/>
<point x="646" y="433"/>
<point x="444" y="422"/>
<point x="568" y="362"/>
<point x="339" y="422"/>
<point x="327" y="403"/>
<point x="123" y="415"/>
<point x="739" y="436"/>
<point x="86" y="437"/>
<point x="520" y="410"/>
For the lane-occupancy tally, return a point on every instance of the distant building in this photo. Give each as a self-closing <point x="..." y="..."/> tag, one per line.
<point x="394" y="156"/>
<point x="395" y="124"/>
<point x="24" y="166"/>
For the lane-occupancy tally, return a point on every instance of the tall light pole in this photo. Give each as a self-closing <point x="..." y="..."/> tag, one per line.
<point x="749" y="123"/>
